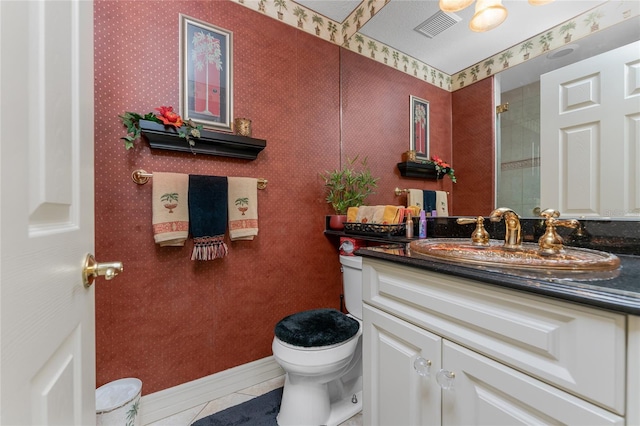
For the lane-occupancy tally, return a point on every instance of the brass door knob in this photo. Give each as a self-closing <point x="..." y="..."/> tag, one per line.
<point x="93" y="269"/>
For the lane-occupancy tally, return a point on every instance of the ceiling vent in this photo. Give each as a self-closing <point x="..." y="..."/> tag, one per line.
<point x="437" y="23"/>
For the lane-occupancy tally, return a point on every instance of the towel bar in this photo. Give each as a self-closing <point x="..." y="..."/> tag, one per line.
<point x="399" y="191"/>
<point x="141" y="177"/>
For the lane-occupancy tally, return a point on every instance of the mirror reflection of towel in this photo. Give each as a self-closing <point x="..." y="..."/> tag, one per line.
<point x="429" y="200"/>
<point x="442" y="204"/>
<point x="415" y="197"/>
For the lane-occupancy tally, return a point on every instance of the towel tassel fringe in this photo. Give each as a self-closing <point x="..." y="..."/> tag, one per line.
<point x="209" y="248"/>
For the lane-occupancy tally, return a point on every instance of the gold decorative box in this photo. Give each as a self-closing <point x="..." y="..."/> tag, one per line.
<point x="409" y="156"/>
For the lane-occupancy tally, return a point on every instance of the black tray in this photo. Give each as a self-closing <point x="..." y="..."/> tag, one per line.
<point x="374" y="229"/>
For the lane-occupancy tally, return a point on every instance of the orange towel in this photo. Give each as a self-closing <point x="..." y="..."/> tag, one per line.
<point x="352" y="214"/>
<point x="392" y="215"/>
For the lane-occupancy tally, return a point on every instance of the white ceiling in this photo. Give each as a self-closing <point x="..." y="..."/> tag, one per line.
<point x="457" y="47"/>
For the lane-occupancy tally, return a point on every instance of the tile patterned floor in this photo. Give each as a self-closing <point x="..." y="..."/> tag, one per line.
<point x="187" y="417"/>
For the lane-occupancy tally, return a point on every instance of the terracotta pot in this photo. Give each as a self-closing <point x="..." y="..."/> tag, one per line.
<point x="170" y="207"/>
<point x="336" y="222"/>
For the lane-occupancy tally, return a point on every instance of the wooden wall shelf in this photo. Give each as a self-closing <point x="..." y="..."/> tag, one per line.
<point x="210" y="142"/>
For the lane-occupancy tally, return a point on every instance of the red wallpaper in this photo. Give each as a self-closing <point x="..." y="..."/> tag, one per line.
<point x="473" y="148"/>
<point x="168" y="320"/>
<point x="375" y="123"/>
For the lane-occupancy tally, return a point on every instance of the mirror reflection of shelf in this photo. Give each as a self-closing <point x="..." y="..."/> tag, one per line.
<point x="412" y="169"/>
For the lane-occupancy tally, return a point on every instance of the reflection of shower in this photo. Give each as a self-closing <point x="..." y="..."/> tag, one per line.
<point x="206" y="58"/>
<point x="518" y="150"/>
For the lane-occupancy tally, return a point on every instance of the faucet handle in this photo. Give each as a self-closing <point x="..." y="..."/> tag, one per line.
<point x="480" y="236"/>
<point x="550" y="213"/>
<point x="551" y="242"/>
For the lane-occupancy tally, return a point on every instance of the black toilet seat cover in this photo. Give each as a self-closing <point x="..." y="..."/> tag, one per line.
<point x="317" y="327"/>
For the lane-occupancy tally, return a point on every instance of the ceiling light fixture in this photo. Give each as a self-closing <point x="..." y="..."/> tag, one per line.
<point x="454" y="5"/>
<point x="488" y="15"/>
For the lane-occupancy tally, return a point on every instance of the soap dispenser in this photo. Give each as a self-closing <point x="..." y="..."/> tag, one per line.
<point x="422" y="225"/>
<point x="409" y="225"/>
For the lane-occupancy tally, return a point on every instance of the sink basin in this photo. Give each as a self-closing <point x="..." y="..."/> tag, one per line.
<point x="526" y="257"/>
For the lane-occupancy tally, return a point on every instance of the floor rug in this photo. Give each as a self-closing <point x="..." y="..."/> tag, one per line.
<point x="259" y="411"/>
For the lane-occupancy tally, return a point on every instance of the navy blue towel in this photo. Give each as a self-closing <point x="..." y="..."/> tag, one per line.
<point x="208" y="216"/>
<point x="429" y="200"/>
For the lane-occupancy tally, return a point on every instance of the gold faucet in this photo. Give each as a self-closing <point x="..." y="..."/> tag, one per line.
<point x="513" y="233"/>
<point x="480" y="236"/>
<point x="551" y="242"/>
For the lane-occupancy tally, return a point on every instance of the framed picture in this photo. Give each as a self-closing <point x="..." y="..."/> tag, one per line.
<point x="206" y="74"/>
<point x="419" y="127"/>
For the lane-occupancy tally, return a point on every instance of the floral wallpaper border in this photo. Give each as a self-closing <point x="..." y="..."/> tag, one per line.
<point x="346" y="35"/>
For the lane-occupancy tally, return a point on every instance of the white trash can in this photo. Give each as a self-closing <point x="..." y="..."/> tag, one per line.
<point x="117" y="403"/>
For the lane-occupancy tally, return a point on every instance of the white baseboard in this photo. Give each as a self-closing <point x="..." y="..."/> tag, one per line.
<point x="168" y="402"/>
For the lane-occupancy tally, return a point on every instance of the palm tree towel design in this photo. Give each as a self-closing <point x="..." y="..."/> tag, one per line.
<point x="243" y="208"/>
<point x="208" y="216"/>
<point x="170" y="208"/>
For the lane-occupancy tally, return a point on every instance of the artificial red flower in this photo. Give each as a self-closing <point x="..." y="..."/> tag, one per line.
<point x="439" y="161"/>
<point x="168" y="117"/>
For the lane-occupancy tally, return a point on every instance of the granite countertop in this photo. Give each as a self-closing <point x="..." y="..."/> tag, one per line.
<point x="615" y="290"/>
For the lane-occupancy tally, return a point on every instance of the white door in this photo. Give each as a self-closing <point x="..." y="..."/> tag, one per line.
<point x="590" y="136"/>
<point x="47" y="213"/>
<point x="485" y="392"/>
<point x="400" y="361"/>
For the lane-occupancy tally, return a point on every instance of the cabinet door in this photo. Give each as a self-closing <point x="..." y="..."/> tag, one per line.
<point x="485" y="392"/>
<point x="395" y="393"/>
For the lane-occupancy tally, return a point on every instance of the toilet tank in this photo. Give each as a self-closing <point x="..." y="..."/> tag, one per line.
<point x="352" y="284"/>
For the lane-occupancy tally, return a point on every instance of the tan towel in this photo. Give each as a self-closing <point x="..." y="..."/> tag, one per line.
<point x="415" y="197"/>
<point x="365" y="214"/>
<point x="442" y="205"/>
<point x="170" y="208"/>
<point x="243" y="208"/>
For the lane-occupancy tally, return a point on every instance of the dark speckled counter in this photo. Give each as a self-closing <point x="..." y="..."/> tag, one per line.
<point x="618" y="291"/>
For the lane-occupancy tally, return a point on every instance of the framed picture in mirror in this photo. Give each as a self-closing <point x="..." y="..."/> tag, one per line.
<point x="419" y="127"/>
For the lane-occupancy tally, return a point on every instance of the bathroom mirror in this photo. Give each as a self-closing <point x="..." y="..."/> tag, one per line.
<point x="518" y="127"/>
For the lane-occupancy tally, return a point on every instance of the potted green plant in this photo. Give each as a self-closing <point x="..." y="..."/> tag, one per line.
<point x="347" y="187"/>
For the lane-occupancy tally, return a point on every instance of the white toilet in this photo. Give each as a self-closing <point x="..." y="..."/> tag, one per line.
<point x="321" y="352"/>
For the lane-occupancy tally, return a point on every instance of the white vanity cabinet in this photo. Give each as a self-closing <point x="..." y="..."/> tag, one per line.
<point x="497" y="356"/>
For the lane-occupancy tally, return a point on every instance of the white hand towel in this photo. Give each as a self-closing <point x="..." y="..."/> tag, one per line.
<point x="170" y="208"/>
<point x="442" y="205"/>
<point x="243" y="208"/>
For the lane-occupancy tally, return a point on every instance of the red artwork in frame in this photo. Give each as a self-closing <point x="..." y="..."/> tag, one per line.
<point x="419" y="127"/>
<point x="206" y="82"/>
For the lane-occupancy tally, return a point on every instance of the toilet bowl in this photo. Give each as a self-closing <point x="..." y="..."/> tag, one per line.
<point x="321" y="352"/>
